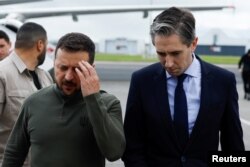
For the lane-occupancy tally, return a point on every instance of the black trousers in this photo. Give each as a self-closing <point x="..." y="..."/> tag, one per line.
<point x="246" y="81"/>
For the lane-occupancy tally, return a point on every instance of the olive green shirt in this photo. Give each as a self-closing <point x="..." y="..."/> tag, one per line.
<point x="64" y="131"/>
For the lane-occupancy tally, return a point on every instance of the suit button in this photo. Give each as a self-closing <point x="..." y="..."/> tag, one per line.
<point x="183" y="159"/>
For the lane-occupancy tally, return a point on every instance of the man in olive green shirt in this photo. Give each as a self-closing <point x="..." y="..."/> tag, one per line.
<point x="72" y="123"/>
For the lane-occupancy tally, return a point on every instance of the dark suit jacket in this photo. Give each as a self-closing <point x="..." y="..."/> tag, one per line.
<point x="150" y="136"/>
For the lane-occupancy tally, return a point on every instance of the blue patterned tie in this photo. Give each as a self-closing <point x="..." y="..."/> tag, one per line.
<point x="180" y="112"/>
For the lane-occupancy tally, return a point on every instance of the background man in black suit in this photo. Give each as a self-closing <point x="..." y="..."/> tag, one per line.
<point x="179" y="109"/>
<point x="244" y="66"/>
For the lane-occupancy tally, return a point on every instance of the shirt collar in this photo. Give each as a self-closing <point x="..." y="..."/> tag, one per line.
<point x="18" y="62"/>
<point x="68" y="98"/>
<point x="21" y="66"/>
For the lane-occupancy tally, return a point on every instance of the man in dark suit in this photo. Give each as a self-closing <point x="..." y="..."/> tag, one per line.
<point x="179" y="109"/>
<point x="244" y="66"/>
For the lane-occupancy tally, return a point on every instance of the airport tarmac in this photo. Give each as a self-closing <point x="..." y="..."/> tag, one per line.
<point x="120" y="90"/>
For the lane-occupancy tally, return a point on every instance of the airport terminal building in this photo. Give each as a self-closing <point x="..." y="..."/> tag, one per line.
<point x="213" y="42"/>
<point x="217" y="42"/>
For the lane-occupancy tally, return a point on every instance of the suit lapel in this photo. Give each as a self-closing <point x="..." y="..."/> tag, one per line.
<point x="206" y="82"/>
<point x="162" y="103"/>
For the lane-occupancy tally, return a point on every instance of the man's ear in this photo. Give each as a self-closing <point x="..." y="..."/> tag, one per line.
<point x="40" y="45"/>
<point x="194" y="44"/>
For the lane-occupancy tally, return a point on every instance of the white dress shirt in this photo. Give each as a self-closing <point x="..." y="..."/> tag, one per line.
<point x="192" y="88"/>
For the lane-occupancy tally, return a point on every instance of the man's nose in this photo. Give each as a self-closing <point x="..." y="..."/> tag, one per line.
<point x="69" y="75"/>
<point x="169" y="61"/>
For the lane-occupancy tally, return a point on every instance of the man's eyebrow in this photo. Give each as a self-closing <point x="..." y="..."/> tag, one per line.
<point x="160" y="51"/>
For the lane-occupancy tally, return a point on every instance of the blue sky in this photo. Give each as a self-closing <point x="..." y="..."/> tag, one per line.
<point x="132" y="25"/>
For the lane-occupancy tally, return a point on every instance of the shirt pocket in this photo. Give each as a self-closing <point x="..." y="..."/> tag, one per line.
<point x="16" y="99"/>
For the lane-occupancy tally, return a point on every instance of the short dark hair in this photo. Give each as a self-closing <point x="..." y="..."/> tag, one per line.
<point x="4" y="36"/>
<point x="28" y="34"/>
<point x="174" y="21"/>
<point x="74" y="42"/>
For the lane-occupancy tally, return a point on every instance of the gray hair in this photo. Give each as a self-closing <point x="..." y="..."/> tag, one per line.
<point x="174" y="21"/>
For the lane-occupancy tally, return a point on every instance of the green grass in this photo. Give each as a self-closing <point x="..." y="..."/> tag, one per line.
<point x="221" y="59"/>
<point x="139" y="58"/>
<point x="123" y="58"/>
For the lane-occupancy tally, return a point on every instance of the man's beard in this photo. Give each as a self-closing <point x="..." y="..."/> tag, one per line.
<point x="41" y="58"/>
<point x="68" y="83"/>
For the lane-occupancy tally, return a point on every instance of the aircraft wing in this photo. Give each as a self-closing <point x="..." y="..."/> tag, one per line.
<point x="8" y="2"/>
<point x="74" y="11"/>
